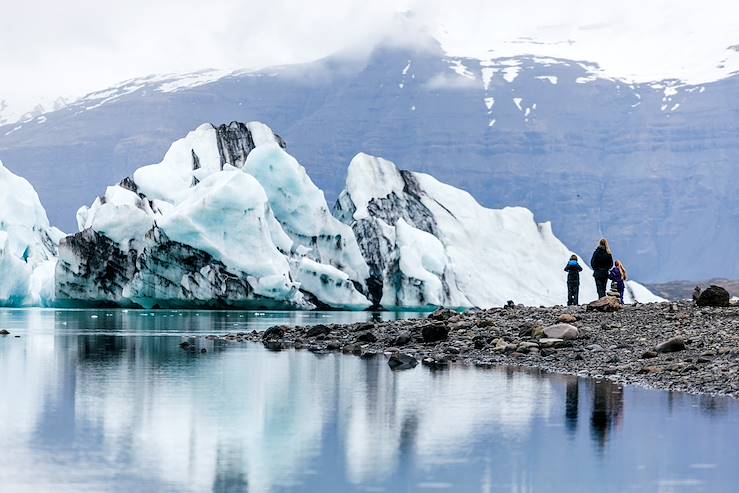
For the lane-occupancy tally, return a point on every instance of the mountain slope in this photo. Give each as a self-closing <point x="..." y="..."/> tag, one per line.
<point x="650" y="166"/>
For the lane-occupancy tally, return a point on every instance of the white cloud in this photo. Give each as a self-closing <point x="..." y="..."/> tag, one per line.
<point x="50" y="48"/>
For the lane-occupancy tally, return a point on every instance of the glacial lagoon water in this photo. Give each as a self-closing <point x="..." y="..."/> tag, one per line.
<point x="105" y="400"/>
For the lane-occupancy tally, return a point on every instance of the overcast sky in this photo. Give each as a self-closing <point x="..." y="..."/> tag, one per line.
<point x="56" y="47"/>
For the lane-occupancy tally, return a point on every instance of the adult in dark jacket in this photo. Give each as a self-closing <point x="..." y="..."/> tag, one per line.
<point x="573" y="270"/>
<point x="601" y="262"/>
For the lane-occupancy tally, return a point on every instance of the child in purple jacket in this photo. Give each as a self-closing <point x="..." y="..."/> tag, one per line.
<point x="619" y="276"/>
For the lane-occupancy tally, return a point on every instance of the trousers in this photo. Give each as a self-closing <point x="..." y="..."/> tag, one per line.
<point x="600" y="285"/>
<point x="573" y="293"/>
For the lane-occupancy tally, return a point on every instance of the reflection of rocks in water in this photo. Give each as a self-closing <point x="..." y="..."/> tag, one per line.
<point x="230" y="475"/>
<point x="571" y="404"/>
<point x="713" y="406"/>
<point x="94" y="348"/>
<point x="608" y="403"/>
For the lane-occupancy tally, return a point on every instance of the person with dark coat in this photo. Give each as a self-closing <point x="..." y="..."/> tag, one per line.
<point x="573" y="270"/>
<point x="601" y="263"/>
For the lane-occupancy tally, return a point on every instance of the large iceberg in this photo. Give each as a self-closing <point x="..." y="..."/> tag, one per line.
<point x="28" y="245"/>
<point x="227" y="219"/>
<point x="429" y="243"/>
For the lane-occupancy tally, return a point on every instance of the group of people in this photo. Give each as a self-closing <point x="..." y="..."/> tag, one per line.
<point x="604" y="268"/>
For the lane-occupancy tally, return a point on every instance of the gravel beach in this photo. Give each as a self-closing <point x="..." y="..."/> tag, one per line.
<point x="671" y="346"/>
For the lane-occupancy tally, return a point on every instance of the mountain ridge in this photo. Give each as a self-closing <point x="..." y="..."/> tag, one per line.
<point x="595" y="156"/>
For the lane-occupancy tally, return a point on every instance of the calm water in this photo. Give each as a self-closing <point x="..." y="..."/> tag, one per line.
<point x="106" y="401"/>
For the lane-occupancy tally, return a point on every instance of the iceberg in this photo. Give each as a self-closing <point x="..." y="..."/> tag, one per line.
<point x="227" y="219"/>
<point x="428" y="243"/>
<point x="28" y="244"/>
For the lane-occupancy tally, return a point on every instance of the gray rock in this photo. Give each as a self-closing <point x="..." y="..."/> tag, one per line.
<point x="317" y="330"/>
<point x="402" y="361"/>
<point x="402" y="339"/>
<point x="435" y="332"/>
<point x="562" y="331"/>
<point x="276" y="332"/>
<point x="605" y="304"/>
<point x="442" y="314"/>
<point x="367" y="337"/>
<point x="671" y="345"/>
<point x="714" y="296"/>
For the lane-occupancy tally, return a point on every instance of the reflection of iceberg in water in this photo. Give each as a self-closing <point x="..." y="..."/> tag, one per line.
<point x="147" y="410"/>
<point x="445" y="413"/>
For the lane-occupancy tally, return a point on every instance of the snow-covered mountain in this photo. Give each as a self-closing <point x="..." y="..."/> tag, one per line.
<point x="229" y="219"/>
<point x="28" y="245"/>
<point x="650" y="165"/>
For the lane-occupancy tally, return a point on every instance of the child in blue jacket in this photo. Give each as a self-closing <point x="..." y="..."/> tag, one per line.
<point x="573" y="270"/>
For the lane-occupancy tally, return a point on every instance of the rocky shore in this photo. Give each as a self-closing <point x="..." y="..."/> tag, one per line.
<point x="674" y="346"/>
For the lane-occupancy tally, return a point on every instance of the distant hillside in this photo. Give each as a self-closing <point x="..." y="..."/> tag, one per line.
<point x="652" y="166"/>
<point x="680" y="290"/>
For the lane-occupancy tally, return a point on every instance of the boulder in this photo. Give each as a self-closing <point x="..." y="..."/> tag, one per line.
<point x="671" y="345"/>
<point x="318" y="330"/>
<point x="714" y="296"/>
<point x="696" y="293"/>
<point x="605" y="304"/>
<point x="402" y="361"/>
<point x="367" y="337"/>
<point x="567" y="318"/>
<point x="276" y="332"/>
<point x="562" y="331"/>
<point x="402" y="339"/>
<point x="435" y="332"/>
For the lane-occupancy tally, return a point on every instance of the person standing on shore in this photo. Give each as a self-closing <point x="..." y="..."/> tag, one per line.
<point x="573" y="270"/>
<point x="619" y="276"/>
<point x="601" y="262"/>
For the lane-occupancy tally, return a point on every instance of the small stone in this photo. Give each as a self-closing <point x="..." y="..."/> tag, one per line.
<point x="567" y="318"/>
<point x="185" y="345"/>
<point x="402" y="361"/>
<point x="203" y="351"/>
<point x="562" y="331"/>
<point x="275" y="332"/>
<point x="318" y="330"/>
<point x="549" y="341"/>
<point x="367" y="337"/>
<point x="442" y="314"/>
<point x="649" y="354"/>
<point x="605" y="304"/>
<point x="594" y="348"/>
<point x="671" y="345"/>
<point x="435" y="332"/>
<point x="402" y="339"/>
